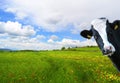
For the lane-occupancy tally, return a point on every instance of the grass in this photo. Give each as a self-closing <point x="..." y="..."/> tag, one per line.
<point x="85" y="65"/>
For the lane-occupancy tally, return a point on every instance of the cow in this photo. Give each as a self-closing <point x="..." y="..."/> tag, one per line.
<point x="107" y="37"/>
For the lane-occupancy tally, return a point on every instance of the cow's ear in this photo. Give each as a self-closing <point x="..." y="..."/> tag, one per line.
<point x="87" y="34"/>
<point x="116" y="24"/>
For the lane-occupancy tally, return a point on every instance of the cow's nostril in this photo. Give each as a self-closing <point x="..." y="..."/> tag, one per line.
<point x="110" y="48"/>
<point x="103" y="51"/>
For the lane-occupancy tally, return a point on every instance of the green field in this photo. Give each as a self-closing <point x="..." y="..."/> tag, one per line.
<point x="80" y="65"/>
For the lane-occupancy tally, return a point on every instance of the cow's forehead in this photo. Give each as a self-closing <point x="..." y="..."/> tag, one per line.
<point x="100" y="26"/>
<point x="98" y="22"/>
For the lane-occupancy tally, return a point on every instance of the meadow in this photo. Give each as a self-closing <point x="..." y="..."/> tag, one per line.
<point x="78" y="65"/>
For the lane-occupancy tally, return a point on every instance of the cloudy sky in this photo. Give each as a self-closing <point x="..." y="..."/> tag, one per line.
<point x="50" y="24"/>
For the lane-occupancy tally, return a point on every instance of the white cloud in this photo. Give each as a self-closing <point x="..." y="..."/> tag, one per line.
<point x="16" y="29"/>
<point x="51" y="41"/>
<point x="38" y="38"/>
<point x="3" y="35"/>
<point x="73" y="43"/>
<point x="25" y="45"/>
<point x="80" y="27"/>
<point x="22" y="43"/>
<point x="53" y="37"/>
<point x="54" y="15"/>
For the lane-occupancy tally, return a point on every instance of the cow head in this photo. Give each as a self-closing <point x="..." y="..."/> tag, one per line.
<point x="102" y="30"/>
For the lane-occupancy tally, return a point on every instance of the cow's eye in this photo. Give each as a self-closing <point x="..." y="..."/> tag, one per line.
<point x="110" y="34"/>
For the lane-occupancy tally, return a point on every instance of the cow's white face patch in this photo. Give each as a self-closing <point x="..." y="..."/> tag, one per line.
<point x="100" y="26"/>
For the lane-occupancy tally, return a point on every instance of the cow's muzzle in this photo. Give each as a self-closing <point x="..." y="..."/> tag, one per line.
<point x="109" y="50"/>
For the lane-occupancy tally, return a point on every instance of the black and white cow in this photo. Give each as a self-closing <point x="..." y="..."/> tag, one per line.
<point x="107" y="36"/>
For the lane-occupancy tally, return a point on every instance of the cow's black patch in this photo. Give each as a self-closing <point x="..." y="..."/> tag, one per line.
<point x="114" y="39"/>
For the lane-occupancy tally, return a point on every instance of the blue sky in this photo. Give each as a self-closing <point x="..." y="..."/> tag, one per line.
<point x="50" y="24"/>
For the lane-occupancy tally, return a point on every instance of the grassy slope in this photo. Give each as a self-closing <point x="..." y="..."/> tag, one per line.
<point x="85" y="65"/>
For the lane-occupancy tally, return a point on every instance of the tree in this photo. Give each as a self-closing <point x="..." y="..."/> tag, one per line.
<point x="63" y="48"/>
<point x="69" y="48"/>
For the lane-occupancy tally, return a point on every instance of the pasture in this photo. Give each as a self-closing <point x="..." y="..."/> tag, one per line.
<point x="80" y="65"/>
